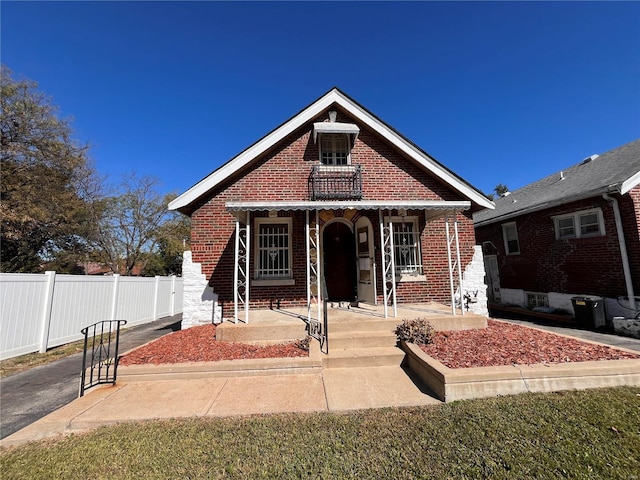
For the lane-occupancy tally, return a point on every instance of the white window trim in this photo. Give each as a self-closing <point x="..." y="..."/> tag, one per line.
<point x="270" y="281"/>
<point x="506" y="242"/>
<point x="576" y="224"/>
<point x="410" y="277"/>
<point x="348" y="139"/>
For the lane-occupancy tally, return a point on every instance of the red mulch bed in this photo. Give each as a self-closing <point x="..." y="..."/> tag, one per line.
<point x="507" y="344"/>
<point x="198" y="344"/>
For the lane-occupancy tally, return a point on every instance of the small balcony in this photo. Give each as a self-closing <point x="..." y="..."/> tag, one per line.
<point x="335" y="182"/>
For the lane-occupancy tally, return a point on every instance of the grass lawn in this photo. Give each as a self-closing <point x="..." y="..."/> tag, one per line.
<point x="578" y="434"/>
<point x="30" y="360"/>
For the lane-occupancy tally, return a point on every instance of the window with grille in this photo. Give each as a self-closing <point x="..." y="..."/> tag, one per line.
<point x="273" y="252"/>
<point x="510" y="234"/>
<point x="334" y="149"/>
<point x="406" y="242"/>
<point x="587" y="223"/>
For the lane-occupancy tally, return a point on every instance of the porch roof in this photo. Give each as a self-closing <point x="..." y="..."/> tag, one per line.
<point x="345" y="205"/>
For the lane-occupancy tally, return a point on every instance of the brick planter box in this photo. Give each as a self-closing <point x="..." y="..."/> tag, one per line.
<point x="451" y="384"/>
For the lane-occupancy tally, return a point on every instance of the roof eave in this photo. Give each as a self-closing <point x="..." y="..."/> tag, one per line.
<point x="543" y="206"/>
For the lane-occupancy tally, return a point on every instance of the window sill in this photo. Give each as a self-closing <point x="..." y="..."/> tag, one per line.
<point x="272" y="283"/>
<point x="407" y="277"/>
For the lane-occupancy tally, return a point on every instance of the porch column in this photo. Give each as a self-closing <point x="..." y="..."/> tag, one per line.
<point x="241" y="275"/>
<point x="453" y="247"/>
<point x="314" y="293"/>
<point x="387" y="253"/>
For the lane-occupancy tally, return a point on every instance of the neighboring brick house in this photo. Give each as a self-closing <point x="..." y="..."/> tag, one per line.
<point x="573" y="233"/>
<point x="316" y="198"/>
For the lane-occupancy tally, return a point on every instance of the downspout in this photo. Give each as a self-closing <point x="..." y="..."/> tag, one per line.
<point x="623" y="250"/>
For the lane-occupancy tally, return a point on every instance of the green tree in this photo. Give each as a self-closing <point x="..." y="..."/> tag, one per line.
<point x="172" y="240"/>
<point x="501" y="189"/>
<point x="42" y="169"/>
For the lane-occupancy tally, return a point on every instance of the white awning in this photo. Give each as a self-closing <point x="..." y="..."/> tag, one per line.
<point x="345" y="205"/>
<point x="335" y="127"/>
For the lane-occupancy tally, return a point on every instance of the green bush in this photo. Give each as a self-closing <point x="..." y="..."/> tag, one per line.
<point x="418" y="331"/>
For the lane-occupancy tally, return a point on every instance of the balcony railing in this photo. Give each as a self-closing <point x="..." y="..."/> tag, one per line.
<point x="335" y="182"/>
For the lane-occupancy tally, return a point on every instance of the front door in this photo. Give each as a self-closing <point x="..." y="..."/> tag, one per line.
<point x="338" y="245"/>
<point x="366" y="261"/>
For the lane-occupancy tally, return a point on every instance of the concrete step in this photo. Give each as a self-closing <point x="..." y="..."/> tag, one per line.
<point x="353" y="325"/>
<point x="362" y="357"/>
<point x="359" y="339"/>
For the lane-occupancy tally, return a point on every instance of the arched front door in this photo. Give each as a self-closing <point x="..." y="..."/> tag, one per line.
<point x="338" y="245"/>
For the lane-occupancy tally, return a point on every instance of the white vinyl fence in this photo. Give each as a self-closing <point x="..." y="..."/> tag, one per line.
<point x="40" y="311"/>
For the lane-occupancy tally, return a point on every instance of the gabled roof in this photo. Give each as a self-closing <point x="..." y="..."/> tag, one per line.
<point x="185" y="201"/>
<point x="616" y="171"/>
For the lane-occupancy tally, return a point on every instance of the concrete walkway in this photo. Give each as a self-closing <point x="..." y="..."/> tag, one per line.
<point x="335" y="390"/>
<point x="30" y="395"/>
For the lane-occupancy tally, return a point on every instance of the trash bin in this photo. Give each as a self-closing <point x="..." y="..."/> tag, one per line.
<point x="589" y="311"/>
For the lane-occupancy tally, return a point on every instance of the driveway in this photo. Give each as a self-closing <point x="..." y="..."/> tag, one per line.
<point x="30" y="395"/>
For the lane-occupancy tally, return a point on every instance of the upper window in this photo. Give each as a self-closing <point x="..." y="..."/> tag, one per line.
<point x="273" y="252"/>
<point x="406" y="242"/>
<point x="586" y="223"/>
<point x="510" y="234"/>
<point x="334" y="149"/>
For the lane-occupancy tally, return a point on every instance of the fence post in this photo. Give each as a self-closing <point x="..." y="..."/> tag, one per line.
<point x="173" y="295"/>
<point x="114" y="298"/>
<point x="155" y="298"/>
<point x="46" y="310"/>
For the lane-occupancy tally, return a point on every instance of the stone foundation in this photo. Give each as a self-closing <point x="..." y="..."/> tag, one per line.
<point x="473" y="279"/>
<point x="200" y="303"/>
<point x="627" y="327"/>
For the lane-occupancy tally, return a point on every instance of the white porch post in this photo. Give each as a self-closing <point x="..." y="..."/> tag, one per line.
<point x="241" y="274"/>
<point x="235" y="271"/>
<point x="388" y="265"/>
<point x="455" y="228"/>
<point x="319" y="292"/>
<point x="247" y="272"/>
<point x="454" y="264"/>
<point x="313" y="267"/>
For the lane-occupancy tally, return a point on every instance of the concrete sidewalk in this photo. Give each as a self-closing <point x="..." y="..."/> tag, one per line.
<point x="335" y="390"/>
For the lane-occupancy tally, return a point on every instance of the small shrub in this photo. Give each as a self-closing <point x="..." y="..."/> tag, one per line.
<point x="418" y="331"/>
<point x="303" y="343"/>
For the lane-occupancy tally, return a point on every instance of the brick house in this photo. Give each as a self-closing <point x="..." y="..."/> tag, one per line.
<point x="573" y="233"/>
<point x="333" y="193"/>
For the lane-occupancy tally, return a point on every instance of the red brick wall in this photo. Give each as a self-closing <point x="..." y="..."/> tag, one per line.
<point x="282" y="174"/>
<point x="590" y="265"/>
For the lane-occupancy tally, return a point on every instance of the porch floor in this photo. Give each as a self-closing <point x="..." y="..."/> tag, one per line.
<point x="265" y="326"/>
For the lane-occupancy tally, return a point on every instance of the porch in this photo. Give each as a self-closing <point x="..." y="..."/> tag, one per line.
<point x="286" y="324"/>
<point x="379" y="252"/>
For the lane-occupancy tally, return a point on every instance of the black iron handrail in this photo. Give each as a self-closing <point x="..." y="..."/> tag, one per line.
<point x="103" y="362"/>
<point x="325" y="317"/>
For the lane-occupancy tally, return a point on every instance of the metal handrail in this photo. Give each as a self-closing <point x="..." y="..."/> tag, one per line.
<point x="103" y="361"/>
<point x="325" y="318"/>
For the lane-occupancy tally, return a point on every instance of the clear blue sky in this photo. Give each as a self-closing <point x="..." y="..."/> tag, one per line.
<point x="504" y="92"/>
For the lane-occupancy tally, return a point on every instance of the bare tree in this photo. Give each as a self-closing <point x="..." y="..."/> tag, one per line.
<point x="127" y="223"/>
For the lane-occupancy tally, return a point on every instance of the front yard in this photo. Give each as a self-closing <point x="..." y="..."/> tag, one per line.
<point x="577" y="434"/>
